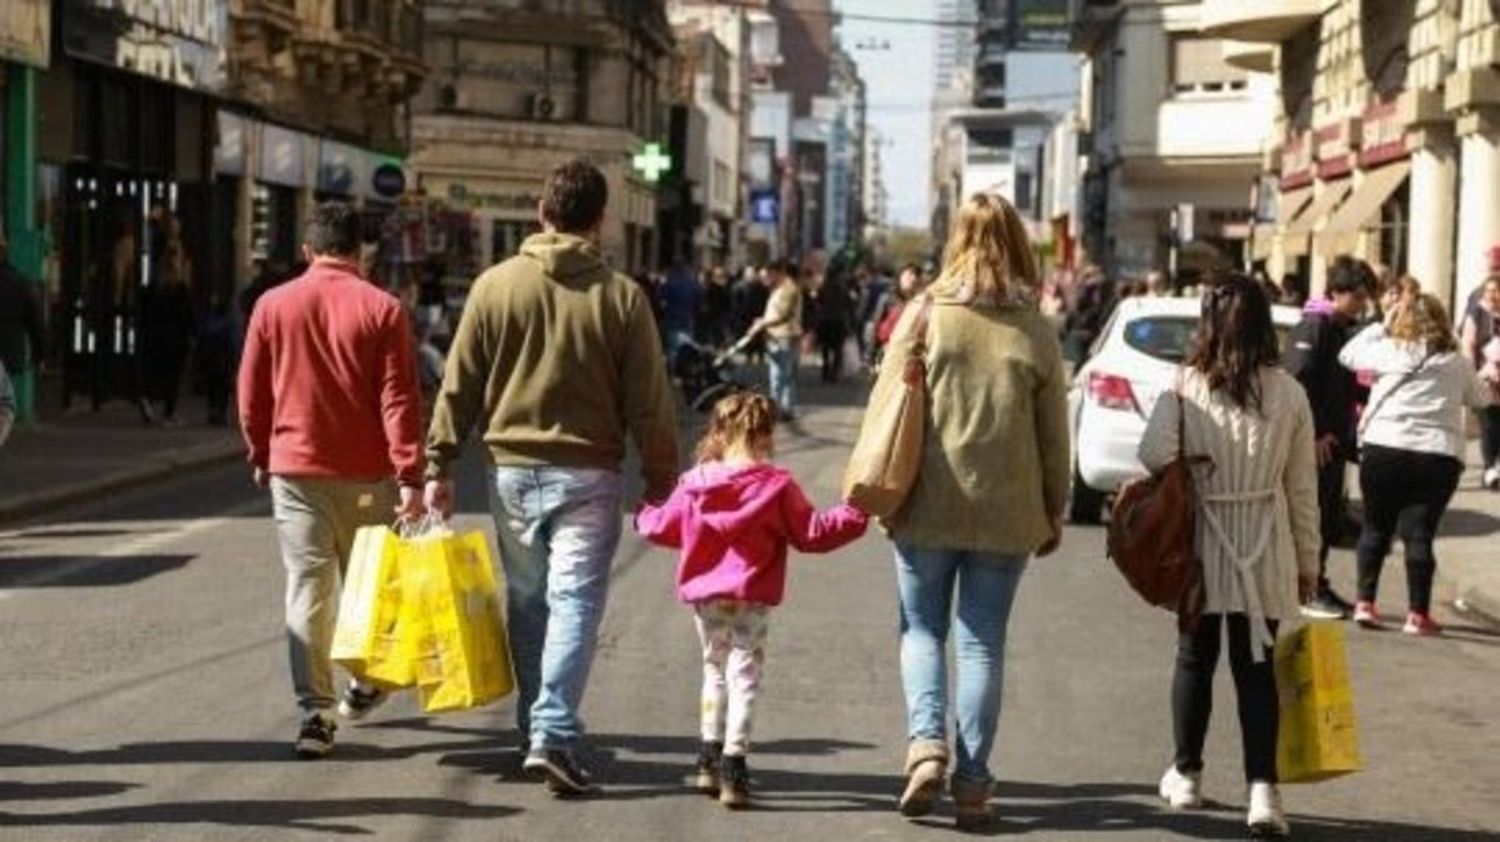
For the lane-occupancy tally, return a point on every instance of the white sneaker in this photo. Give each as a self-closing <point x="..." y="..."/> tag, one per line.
<point x="1492" y="478"/>
<point x="1182" y="791"/>
<point x="1264" y="815"/>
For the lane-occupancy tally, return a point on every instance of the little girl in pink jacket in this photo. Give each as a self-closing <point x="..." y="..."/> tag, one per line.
<point x="733" y="517"/>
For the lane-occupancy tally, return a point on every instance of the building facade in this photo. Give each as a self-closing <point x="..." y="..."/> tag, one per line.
<point x="514" y="91"/>
<point x="1172" y="137"/>
<point x="1386" y="140"/>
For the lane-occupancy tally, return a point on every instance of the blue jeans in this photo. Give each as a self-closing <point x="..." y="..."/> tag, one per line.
<point x="986" y="583"/>
<point x="781" y="359"/>
<point x="558" y="530"/>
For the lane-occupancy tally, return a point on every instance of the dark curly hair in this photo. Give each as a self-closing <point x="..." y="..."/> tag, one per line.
<point x="1236" y="338"/>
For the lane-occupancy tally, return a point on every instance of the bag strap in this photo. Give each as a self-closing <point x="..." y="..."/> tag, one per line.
<point x="1405" y="379"/>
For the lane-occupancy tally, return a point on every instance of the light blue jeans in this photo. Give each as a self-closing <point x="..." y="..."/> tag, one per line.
<point x="781" y="359"/>
<point x="558" y="530"/>
<point x="926" y="579"/>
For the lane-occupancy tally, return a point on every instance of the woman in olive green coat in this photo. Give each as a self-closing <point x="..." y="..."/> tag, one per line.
<point x="990" y="493"/>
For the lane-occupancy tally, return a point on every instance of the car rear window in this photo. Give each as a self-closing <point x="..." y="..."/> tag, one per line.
<point x="1163" y="337"/>
<point x="1170" y="337"/>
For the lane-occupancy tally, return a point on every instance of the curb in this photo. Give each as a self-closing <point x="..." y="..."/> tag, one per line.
<point x="1477" y="604"/>
<point x="16" y="506"/>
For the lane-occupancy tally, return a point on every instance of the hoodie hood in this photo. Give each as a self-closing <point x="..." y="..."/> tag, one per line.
<point x="564" y="256"/>
<point x="727" y="499"/>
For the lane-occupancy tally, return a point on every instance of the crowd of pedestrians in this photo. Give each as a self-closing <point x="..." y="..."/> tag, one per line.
<point x="558" y="362"/>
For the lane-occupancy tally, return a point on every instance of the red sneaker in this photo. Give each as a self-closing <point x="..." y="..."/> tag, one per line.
<point x="1422" y="625"/>
<point x="1367" y="615"/>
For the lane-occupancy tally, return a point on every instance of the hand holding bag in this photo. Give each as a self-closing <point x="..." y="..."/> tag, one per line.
<point x="1152" y="533"/>
<point x="888" y="454"/>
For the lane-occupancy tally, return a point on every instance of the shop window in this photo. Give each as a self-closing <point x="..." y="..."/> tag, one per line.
<point x="1198" y="66"/>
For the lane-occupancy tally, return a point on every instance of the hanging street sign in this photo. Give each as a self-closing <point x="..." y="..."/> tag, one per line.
<point x="652" y="162"/>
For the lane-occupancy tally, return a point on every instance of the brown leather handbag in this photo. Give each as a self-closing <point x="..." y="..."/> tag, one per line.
<point x="1151" y="536"/>
<point x="888" y="454"/>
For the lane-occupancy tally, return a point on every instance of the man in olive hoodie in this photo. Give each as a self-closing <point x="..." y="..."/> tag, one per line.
<point x="556" y="357"/>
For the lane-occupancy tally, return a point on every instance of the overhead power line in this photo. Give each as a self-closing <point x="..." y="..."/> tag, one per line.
<point x="805" y="11"/>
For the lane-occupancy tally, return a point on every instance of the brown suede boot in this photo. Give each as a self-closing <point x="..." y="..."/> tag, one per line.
<point x="926" y="766"/>
<point x="971" y="801"/>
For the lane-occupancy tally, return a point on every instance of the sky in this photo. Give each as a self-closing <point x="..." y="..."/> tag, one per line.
<point x="898" y="90"/>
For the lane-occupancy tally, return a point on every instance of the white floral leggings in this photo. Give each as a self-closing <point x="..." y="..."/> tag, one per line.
<point x="734" y="639"/>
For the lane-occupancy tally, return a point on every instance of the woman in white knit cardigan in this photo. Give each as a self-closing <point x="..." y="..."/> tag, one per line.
<point x="1257" y="532"/>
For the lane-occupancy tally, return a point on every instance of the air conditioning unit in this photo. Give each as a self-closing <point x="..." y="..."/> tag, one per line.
<point x="541" y="106"/>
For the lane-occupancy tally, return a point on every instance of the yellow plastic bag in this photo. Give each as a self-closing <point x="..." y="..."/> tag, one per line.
<point x="463" y="655"/>
<point x="1319" y="735"/>
<point x="375" y="634"/>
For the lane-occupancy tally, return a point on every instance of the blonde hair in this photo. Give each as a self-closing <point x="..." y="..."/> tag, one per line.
<point x="988" y="254"/>
<point x="1423" y="319"/>
<point x="745" y="421"/>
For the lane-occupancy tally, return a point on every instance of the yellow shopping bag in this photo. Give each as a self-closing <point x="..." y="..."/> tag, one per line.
<point x="463" y="653"/>
<point x="374" y="636"/>
<point x="1319" y="735"/>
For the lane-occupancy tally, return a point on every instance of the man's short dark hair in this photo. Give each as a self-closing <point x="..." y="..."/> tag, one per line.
<point x="1350" y="274"/>
<point x="784" y="267"/>
<point x="334" y="229"/>
<point x="574" y="197"/>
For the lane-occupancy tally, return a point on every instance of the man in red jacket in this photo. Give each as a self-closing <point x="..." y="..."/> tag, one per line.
<point x="331" y="411"/>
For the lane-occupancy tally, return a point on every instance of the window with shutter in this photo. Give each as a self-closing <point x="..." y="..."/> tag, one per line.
<point x="1198" y="66"/>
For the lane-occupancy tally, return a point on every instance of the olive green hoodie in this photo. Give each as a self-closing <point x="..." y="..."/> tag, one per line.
<point x="557" y="356"/>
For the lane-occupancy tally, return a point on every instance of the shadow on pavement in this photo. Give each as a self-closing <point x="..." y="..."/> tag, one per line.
<point x="59" y="790"/>
<point x="1468" y="523"/>
<point x="222" y="751"/>
<point x="328" y="816"/>
<point x="1023" y="808"/>
<point x="77" y="571"/>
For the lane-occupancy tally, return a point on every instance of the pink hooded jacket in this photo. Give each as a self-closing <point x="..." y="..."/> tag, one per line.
<point x="733" y="525"/>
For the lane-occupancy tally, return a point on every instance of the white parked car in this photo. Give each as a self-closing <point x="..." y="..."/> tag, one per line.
<point x="1133" y="363"/>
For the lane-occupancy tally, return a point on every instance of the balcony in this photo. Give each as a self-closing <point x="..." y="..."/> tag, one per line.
<point x="1250" y="55"/>
<point x="1264" y="21"/>
<point x="989" y="96"/>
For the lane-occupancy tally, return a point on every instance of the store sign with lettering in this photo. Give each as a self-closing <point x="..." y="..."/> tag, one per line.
<point x="1382" y="135"/>
<point x="1297" y="160"/>
<point x="182" y="42"/>
<point x="460" y="195"/>
<point x="26" y="31"/>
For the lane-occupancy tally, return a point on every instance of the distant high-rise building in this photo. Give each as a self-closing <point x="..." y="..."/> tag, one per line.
<point x="955" y="42"/>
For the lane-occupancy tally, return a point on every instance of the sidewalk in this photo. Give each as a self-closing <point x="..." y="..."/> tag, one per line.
<point x="60" y="459"/>
<point x="1467" y="551"/>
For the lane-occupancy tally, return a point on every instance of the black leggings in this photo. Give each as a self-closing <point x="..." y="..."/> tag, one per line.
<point x="1405" y="492"/>
<point x="1254" y="684"/>
<point x="1489" y="435"/>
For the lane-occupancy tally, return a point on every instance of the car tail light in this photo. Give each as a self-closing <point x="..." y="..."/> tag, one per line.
<point x="1112" y="392"/>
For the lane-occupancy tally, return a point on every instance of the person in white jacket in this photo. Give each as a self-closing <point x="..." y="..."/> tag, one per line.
<point x="1413" y="442"/>
<point x="1258" y="531"/>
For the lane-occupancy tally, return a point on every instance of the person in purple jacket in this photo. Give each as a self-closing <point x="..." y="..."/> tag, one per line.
<point x="733" y="517"/>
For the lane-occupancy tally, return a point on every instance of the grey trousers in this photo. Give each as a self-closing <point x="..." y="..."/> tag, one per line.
<point x="316" y="520"/>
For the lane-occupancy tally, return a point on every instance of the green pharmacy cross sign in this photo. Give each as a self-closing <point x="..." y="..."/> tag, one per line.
<point x="652" y="162"/>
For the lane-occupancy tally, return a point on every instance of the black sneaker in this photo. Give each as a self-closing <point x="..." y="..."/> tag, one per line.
<point x="706" y="777"/>
<point x="1327" y="605"/>
<point x="563" y="773"/>
<point x="359" y="701"/>
<point x="734" y="782"/>
<point x="315" y="739"/>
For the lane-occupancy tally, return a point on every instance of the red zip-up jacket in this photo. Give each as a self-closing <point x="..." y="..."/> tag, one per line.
<point x="328" y="381"/>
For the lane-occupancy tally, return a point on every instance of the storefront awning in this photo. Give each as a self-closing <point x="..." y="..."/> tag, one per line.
<point x="1291" y="203"/>
<point x="1364" y="206"/>
<point x="1296" y="233"/>
<point x="1320" y="209"/>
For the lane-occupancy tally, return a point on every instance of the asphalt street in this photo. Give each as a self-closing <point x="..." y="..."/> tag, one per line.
<point x="145" y="697"/>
